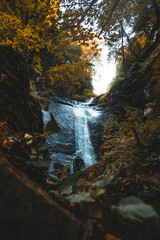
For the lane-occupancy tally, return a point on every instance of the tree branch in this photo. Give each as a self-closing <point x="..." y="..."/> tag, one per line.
<point x="70" y="25"/>
<point x="157" y="12"/>
<point x="110" y="15"/>
<point x="87" y="10"/>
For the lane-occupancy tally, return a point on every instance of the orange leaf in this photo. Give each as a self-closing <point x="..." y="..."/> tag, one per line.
<point x="111" y="237"/>
<point x="8" y="144"/>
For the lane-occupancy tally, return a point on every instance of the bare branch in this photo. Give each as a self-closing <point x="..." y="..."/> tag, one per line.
<point x="87" y="10"/>
<point x="71" y="25"/>
<point x="157" y="12"/>
<point x="110" y="15"/>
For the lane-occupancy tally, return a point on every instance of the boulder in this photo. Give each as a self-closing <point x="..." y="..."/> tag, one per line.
<point x="134" y="219"/>
<point x="27" y="212"/>
<point x="78" y="163"/>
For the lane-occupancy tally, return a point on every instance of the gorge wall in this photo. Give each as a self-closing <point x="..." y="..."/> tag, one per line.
<point x="140" y="88"/>
<point x="17" y="106"/>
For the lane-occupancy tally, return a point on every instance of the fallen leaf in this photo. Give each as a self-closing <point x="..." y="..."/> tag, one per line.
<point x="8" y="143"/>
<point x="111" y="237"/>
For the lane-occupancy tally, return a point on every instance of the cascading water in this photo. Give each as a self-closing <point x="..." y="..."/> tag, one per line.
<point x="83" y="144"/>
<point x="79" y="139"/>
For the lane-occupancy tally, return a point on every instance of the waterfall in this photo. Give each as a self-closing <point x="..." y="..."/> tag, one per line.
<point x="79" y="139"/>
<point x="83" y="144"/>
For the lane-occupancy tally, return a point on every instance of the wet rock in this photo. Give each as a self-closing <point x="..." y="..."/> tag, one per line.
<point x="96" y="131"/>
<point x="64" y="101"/>
<point x="78" y="163"/>
<point x="56" y="169"/>
<point x="61" y="145"/>
<point x="64" y="145"/>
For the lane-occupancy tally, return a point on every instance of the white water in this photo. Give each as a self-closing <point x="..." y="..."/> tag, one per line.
<point x="80" y="125"/>
<point x="83" y="144"/>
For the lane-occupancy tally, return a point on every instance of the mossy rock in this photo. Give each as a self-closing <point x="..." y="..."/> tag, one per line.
<point x="17" y="107"/>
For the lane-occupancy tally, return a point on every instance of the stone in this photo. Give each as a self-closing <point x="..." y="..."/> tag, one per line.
<point x="27" y="212"/>
<point x="62" y="146"/>
<point x="135" y="209"/>
<point x="17" y="106"/>
<point x="134" y="219"/>
<point x="78" y="163"/>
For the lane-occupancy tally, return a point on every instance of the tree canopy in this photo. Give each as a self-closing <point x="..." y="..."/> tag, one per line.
<point x="132" y="24"/>
<point x="59" y="30"/>
<point x="37" y="29"/>
<point x="28" y="25"/>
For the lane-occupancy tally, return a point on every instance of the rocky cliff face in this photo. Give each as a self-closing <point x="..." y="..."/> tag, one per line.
<point x="141" y="88"/>
<point x="17" y="106"/>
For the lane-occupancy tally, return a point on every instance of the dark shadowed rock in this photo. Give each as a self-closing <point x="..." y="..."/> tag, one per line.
<point x="17" y="106"/>
<point x="96" y="131"/>
<point x="134" y="219"/>
<point x="78" y="163"/>
<point x="26" y="212"/>
<point x="139" y="88"/>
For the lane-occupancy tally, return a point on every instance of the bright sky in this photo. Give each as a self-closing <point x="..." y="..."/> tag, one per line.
<point x="104" y="73"/>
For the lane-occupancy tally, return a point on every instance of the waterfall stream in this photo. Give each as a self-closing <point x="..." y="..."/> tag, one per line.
<point x="80" y="134"/>
<point x="83" y="144"/>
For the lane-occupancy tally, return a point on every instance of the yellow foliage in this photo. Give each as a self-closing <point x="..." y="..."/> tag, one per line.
<point x="30" y="26"/>
<point x="27" y="24"/>
<point x="88" y="94"/>
<point x="90" y="49"/>
<point x="67" y="78"/>
<point x="37" y="63"/>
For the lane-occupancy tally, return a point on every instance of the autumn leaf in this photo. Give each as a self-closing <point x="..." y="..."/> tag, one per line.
<point x="111" y="237"/>
<point x="8" y="143"/>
